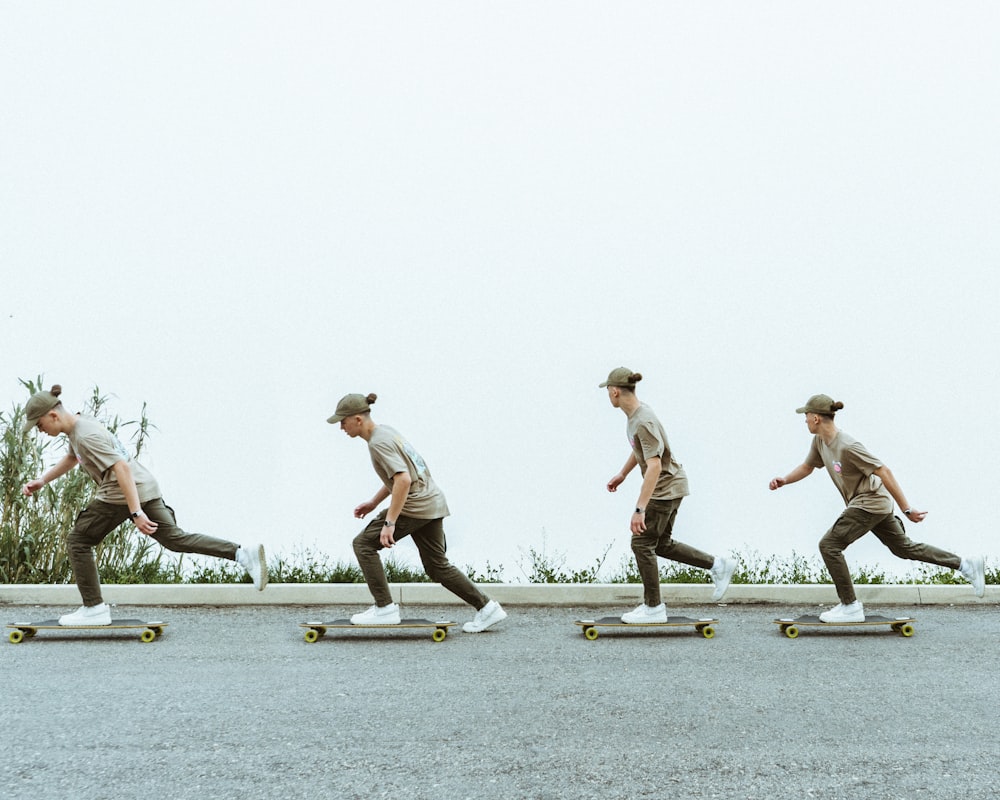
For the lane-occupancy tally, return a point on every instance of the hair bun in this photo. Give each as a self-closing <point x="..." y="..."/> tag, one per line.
<point x="837" y="406"/>
<point x="371" y="398"/>
<point x="56" y="390"/>
<point x="635" y="377"/>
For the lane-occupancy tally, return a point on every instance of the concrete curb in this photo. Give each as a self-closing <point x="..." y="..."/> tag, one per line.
<point x="513" y="594"/>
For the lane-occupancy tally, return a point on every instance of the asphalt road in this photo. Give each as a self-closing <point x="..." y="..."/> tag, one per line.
<point x="233" y="703"/>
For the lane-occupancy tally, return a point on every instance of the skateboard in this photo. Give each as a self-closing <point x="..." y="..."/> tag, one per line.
<point x="590" y="626"/>
<point x="26" y="630"/>
<point x="318" y="629"/>
<point x="790" y="627"/>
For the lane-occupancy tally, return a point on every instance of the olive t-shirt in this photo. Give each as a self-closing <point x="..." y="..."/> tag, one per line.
<point x="97" y="450"/>
<point x="852" y="469"/>
<point x="391" y="453"/>
<point x="649" y="440"/>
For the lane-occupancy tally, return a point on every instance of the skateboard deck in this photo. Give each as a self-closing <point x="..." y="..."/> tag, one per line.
<point x="590" y="626"/>
<point x="318" y="629"/>
<point x="790" y="627"/>
<point x="26" y="630"/>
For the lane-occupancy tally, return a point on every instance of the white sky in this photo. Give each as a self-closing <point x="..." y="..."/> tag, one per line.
<point x="239" y="212"/>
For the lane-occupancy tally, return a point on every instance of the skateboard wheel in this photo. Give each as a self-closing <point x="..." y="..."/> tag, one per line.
<point x="15" y="636"/>
<point x="707" y="631"/>
<point x="590" y="633"/>
<point x="311" y="635"/>
<point x="439" y="634"/>
<point x="148" y="635"/>
<point x="790" y="631"/>
<point x="906" y="630"/>
<point x="158" y="631"/>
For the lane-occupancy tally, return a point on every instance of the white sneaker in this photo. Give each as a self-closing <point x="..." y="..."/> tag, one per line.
<point x="644" y="613"/>
<point x="386" y="615"/>
<point x="254" y="562"/>
<point x="88" y="615"/>
<point x="487" y="616"/>
<point x="722" y="573"/>
<point x="974" y="571"/>
<point x="855" y="612"/>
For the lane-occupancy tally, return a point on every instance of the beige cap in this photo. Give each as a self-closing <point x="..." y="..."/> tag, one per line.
<point x="818" y="404"/>
<point x="40" y="404"/>
<point x="620" y="376"/>
<point x="349" y="405"/>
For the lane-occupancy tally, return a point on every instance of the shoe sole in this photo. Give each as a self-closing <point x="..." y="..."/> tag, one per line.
<point x="262" y="559"/>
<point x="493" y="620"/>
<point x="979" y="584"/>
<point x="717" y="595"/>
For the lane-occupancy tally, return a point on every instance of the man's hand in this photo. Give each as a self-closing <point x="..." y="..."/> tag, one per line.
<point x="364" y="508"/>
<point x="638" y="524"/>
<point x="145" y="524"/>
<point x="386" y="538"/>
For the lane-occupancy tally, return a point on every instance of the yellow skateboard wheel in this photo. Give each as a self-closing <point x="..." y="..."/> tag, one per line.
<point x="790" y="631"/>
<point x="148" y="635"/>
<point x="15" y="636"/>
<point x="906" y="630"/>
<point x="590" y="633"/>
<point x="311" y="635"/>
<point x="707" y="631"/>
<point x="439" y="634"/>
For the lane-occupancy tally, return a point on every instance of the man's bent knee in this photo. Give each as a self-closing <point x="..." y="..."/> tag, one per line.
<point x="830" y="546"/>
<point x="364" y="543"/>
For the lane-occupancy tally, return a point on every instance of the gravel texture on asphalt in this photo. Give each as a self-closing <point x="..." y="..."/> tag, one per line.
<point x="233" y="703"/>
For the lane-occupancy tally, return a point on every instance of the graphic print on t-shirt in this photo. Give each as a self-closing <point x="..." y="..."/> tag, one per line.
<point x="413" y="455"/>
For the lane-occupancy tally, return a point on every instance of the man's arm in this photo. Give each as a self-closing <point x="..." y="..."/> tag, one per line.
<point x="892" y="485"/>
<point x="653" y="468"/>
<point x="57" y="470"/>
<point x="123" y="474"/>
<point x="617" y="480"/>
<point x="400" y="489"/>
<point x="797" y="474"/>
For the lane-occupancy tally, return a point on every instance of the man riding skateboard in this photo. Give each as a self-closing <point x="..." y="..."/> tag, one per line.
<point x="126" y="490"/>
<point x="869" y="489"/>
<point x="664" y="485"/>
<point x="417" y="508"/>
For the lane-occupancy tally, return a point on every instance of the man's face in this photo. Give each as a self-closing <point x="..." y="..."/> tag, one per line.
<point x="351" y="425"/>
<point x="48" y="423"/>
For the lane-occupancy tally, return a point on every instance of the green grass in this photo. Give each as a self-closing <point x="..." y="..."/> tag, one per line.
<point x="543" y="567"/>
